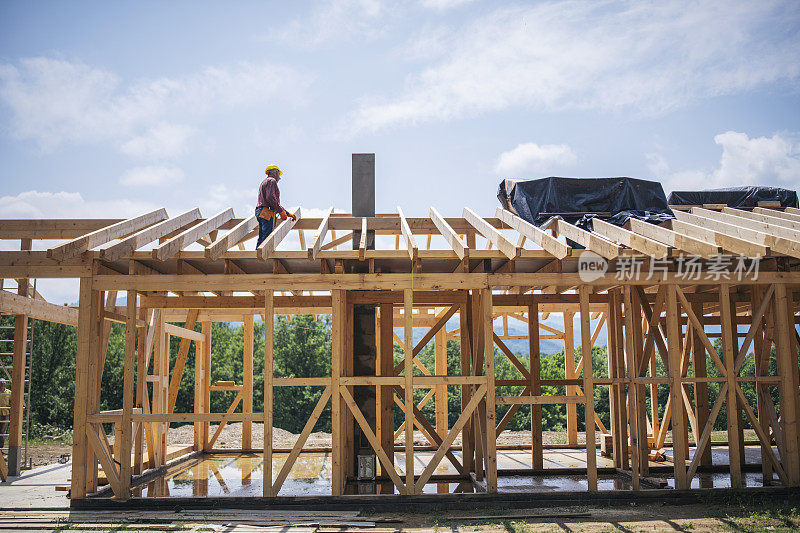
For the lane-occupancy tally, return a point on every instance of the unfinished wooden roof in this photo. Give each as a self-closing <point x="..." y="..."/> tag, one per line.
<point x="189" y="244"/>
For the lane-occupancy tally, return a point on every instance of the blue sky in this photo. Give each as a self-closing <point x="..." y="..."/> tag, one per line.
<point x="115" y="108"/>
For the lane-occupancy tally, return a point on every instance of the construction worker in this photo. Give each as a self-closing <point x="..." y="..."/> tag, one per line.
<point x="5" y="412"/>
<point x="269" y="204"/>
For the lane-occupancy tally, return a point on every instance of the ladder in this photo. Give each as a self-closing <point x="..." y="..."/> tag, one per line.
<point x="6" y="366"/>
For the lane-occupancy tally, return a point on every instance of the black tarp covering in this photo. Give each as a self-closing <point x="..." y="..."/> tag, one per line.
<point x="575" y="198"/>
<point x="735" y="196"/>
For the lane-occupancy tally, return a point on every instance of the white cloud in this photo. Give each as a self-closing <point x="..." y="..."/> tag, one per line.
<point x="336" y="20"/>
<point x="649" y="57"/>
<point x="532" y="158"/>
<point x="57" y="102"/>
<point x="442" y="5"/>
<point x="151" y="176"/>
<point x="773" y="161"/>
<point x="165" y="140"/>
<point x="63" y="204"/>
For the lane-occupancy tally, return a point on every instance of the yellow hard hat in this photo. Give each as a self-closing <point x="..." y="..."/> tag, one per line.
<point x="273" y="167"/>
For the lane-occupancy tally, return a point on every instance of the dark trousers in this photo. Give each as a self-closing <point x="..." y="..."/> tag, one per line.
<point x="264" y="227"/>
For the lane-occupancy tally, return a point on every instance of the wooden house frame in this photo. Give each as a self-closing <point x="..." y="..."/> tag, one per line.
<point x="484" y="272"/>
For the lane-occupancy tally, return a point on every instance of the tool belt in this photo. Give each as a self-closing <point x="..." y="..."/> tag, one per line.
<point x="266" y="213"/>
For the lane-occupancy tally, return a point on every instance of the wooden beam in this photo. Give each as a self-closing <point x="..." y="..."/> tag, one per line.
<point x="274" y="239"/>
<point x="39" y="309"/>
<point x="175" y="244"/>
<point x="503" y="243"/>
<point x="411" y="244"/>
<point x="728" y="242"/>
<point x="408" y="310"/>
<point x="268" y="391"/>
<point x="549" y="243"/>
<point x="766" y="220"/>
<point x="640" y="243"/>
<point x="449" y="234"/>
<point x="232" y="238"/>
<point x="128" y="382"/>
<point x="322" y="230"/>
<point x="588" y="389"/>
<point x="591" y="241"/>
<point x="362" y="243"/>
<point x="129" y="244"/>
<point x="729" y="354"/>
<point x="765" y="235"/>
<point x="679" y="430"/>
<point x="104" y="235"/>
<point x="183" y="333"/>
<point x="679" y="241"/>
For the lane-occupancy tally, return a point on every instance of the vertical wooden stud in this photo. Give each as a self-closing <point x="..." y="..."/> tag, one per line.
<point x="679" y="430"/>
<point x="269" y="313"/>
<point x="408" y="323"/>
<point x="732" y="405"/>
<point x="247" y="382"/>
<point x="588" y="389"/>
<point x="491" y="438"/>
<point x="535" y="376"/>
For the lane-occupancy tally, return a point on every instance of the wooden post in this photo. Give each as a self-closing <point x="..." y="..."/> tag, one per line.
<point x="630" y="317"/>
<point x="588" y="389"/>
<point x="385" y="392"/>
<point x="128" y="395"/>
<point x="80" y="445"/>
<point x="408" y="323"/>
<point x="205" y="329"/>
<point x="269" y="313"/>
<point x="141" y="385"/>
<point x="679" y="432"/>
<point x="465" y="332"/>
<point x="19" y="361"/>
<point x="732" y="405"/>
<point x="338" y="307"/>
<point x="569" y="373"/>
<point x="93" y="382"/>
<point x="488" y="358"/>
<point x="535" y="376"/>
<point x="247" y="382"/>
<point x="761" y="363"/>
<point x="699" y="356"/>
<point x="440" y="369"/>
<point x="199" y="360"/>
<point x="640" y="410"/>
<point x="787" y="367"/>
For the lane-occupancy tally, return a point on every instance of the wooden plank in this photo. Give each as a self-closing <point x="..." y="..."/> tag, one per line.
<point x="385" y="414"/>
<point x="539" y="400"/>
<point x="268" y="390"/>
<point x="232" y="238"/>
<point x="588" y="389"/>
<point x="376" y="445"/>
<point x="534" y="382"/>
<point x="569" y="373"/>
<point x="765" y="220"/>
<point x="640" y="243"/>
<point x="268" y="246"/>
<point x="175" y="244"/>
<point x="183" y="333"/>
<point x="728" y="242"/>
<point x="679" y="434"/>
<point x="105" y="234"/>
<point x="490" y="453"/>
<point x="676" y="240"/>
<point x="145" y="236"/>
<point x="87" y="308"/>
<point x="763" y="234"/>
<point x="633" y="391"/>
<point x="322" y="231"/>
<point x="339" y="306"/>
<point x="503" y="243"/>
<point x="298" y="445"/>
<point x="247" y="382"/>
<point x="788" y="371"/>
<point x="21" y="305"/>
<point x="362" y="243"/>
<point x="449" y="234"/>
<point x="465" y="416"/>
<point x="591" y="241"/>
<point x="790" y="214"/>
<point x="104" y="456"/>
<point x="52" y="228"/>
<point x="728" y="355"/>
<point x="411" y="243"/>
<point x="547" y="242"/>
<point x="180" y="360"/>
<point x="128" y="394"/>
<point x="408" y="309"/>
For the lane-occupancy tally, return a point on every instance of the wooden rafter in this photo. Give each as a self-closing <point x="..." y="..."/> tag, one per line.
<point x="527" y="230"/>
<point x="146" y="236"/>
<point x="175" y="244"/>
<point x="503" y="243"/>
<point x="322" y="230"/>
<point x="449" y="234"/>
